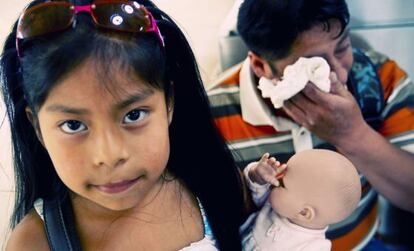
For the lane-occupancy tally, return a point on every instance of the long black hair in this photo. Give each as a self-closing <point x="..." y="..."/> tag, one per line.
<point x="198" y="156"/>
<point x="270" y="27"/>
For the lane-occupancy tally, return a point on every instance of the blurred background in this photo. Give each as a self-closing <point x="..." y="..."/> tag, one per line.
<point x="386" y="25"/>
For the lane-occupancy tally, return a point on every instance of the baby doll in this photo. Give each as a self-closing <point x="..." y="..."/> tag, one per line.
<point x="319" y="188"/>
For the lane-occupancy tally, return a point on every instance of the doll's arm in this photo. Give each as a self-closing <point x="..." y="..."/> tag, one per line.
<point x="260" y="175"/>
<point x="267" y="170"/>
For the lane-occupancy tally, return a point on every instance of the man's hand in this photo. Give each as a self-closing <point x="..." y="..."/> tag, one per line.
<point x="334" y="117"/>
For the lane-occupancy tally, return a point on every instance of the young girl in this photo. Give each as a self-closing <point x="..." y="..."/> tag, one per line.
<point x="114" y="146"/>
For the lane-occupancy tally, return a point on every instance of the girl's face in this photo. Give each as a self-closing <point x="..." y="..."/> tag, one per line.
<point x="109" y="147"/>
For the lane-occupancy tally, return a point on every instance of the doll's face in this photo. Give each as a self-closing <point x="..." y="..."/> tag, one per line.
<point x="287" y="200"/>
<point x="318" y="180"/>
<point x="283" y="202"/>
<point x="109" y="145"/>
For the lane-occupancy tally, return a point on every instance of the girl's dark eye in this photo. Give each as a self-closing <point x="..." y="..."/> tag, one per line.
<point x="72" y="126"/>
<point x="135" y="116"/>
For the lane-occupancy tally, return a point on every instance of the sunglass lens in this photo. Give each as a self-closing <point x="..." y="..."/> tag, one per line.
<point x="125" y="16"/>
<point x="45" y="18"/>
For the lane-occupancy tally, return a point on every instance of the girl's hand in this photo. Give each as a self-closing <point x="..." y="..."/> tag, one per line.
<point x="267" y="170"/>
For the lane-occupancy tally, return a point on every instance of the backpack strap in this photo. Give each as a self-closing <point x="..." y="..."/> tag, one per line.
<point x="365" y="85"/>
<point x="60" y="225"/>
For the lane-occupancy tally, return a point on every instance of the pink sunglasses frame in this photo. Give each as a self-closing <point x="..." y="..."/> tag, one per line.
<point x="88" y="8"/>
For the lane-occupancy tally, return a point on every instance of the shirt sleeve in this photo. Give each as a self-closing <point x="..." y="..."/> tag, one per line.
<point x="259" y="192"/>
<point x="398" y="113"/>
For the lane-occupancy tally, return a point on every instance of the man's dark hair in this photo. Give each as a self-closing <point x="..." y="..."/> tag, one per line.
<point x="270" y="27"/>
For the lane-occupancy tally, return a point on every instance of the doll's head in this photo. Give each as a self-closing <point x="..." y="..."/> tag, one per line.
<point x="321" y="187"/>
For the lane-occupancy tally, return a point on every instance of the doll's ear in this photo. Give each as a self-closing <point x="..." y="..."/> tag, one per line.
<point x="35" y="123"/>
<point x="307" y="213"/>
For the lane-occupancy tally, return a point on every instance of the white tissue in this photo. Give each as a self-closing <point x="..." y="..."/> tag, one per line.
<point x="295" y="78"/>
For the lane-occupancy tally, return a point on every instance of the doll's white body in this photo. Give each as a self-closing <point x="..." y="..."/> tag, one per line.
<point x="320" y="187"/>
<point x="272" y="232"/>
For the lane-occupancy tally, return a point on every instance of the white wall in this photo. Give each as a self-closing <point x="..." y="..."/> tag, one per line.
<point x="200" y="21"/>
<point x="388" y="27"/>
<point x="6" y="176"/>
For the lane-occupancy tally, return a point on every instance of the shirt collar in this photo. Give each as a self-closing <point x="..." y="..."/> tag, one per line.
<point x="254" y="109"/>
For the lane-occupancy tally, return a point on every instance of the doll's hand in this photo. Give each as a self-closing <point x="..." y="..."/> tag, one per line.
<point x="267" y="170"/>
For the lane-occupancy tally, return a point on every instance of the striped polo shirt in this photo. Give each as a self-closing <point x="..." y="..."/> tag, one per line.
<point x="251" y="129"/>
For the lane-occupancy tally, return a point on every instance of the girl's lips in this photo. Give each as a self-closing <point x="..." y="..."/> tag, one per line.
<point x="117" y="187"/>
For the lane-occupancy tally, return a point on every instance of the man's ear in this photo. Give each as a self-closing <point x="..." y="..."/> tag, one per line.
<point x="35" y="123"/>
<point x="260" y="66"/>
<point x="307" y="214"/>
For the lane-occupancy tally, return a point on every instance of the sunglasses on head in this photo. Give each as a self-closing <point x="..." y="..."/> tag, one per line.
<point x="119" y="15"/>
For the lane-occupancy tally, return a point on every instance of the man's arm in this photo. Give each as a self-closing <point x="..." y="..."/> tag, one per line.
<point x="336" y="118"/>
<point x="389" y="169"/>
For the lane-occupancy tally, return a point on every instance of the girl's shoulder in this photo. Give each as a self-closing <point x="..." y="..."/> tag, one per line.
<point x="29" y="234"/>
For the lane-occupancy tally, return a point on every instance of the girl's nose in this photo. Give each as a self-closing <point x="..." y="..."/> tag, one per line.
<point x="110" y="149"/>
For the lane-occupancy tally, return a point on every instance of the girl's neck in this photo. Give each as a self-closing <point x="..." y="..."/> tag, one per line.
<point x="170" y="203"/>
<point x="160" y="194"/>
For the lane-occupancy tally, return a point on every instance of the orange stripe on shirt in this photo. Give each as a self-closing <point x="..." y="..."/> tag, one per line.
<point x="232" y="79"/>
<point x="234" y="128"/>
<point x="398" y="122"/>
<point x="390" y="74"/>
<point x="356" y="235"/>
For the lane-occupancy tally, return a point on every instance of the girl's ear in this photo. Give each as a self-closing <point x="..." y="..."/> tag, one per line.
<point x="307" y="214"/>
<point x="35" y="123"/>
<point x="170" y="104"/>
<point x="170" y="114"/>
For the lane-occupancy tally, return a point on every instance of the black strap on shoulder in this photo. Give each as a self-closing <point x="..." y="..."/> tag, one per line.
<point x="60" y="225"/>
<point x="365" y="85"/>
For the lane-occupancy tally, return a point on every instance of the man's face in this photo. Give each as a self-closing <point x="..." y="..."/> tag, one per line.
<point x="326" y="44"/>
